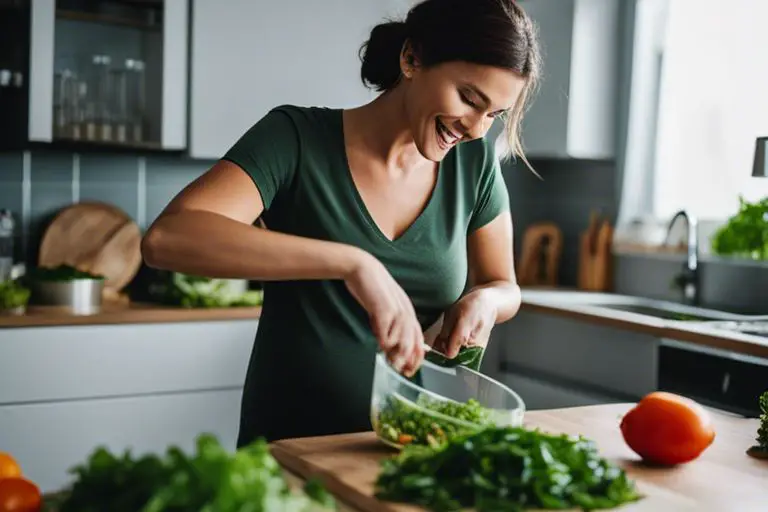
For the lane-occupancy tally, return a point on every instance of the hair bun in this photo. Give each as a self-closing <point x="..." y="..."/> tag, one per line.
<point x="380" y="55"/>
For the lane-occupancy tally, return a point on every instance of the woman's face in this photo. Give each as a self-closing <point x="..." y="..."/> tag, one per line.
<point x="455" y="102"/>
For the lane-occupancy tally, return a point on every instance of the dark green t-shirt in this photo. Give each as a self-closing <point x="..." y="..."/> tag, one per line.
<point x="311" y="369"/>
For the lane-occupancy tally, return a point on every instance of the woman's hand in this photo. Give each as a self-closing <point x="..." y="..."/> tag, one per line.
<point x="467" y="323"/>
<point x="391" y="312"/>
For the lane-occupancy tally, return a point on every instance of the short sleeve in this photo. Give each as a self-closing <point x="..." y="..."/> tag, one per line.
<point x="269" y="153"/>
<point x="493" y="197"/>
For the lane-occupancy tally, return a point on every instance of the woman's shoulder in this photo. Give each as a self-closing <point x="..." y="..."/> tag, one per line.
<point x="306" y="115"/>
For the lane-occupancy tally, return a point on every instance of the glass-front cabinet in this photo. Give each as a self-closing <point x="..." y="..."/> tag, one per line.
<point x="95" y="72"/>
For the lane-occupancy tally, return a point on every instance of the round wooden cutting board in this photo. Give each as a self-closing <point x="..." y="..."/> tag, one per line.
<point x="94" y="237"/>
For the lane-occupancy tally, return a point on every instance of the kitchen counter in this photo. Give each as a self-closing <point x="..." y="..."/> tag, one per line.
<point x="567" y="304"/>
<point x="724" y="477"/>
<point x="134" y="313"/>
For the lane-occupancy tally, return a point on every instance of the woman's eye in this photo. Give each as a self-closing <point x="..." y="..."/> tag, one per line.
<point x="466" y="100"/>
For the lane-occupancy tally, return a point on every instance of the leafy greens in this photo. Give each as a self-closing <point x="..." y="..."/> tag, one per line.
<point x="505" y="469"/>
<point x="209" y="480"/>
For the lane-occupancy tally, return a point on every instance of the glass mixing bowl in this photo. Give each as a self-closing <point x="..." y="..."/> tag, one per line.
<point x="438" y="402"/>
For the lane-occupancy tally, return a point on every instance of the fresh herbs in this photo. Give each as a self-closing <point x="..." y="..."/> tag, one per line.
<point x="746" y="233"/>
<point x="471" y="357"/>
<point x="63" y="273"/>
<point x="428" y="421"/>
<point x="13" y="295"/>
<point x="760" y="450"/>
<point x="211" y="479"/>
<point x="505" y="469"/>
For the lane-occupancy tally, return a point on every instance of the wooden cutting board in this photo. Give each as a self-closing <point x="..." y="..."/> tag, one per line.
<point x="541" y="251"/>
<point x="94" y="237"/>
<point x="724" y="478"/>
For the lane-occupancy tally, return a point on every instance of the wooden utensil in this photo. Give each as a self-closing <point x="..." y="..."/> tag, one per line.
<point x="94" y="237"/>
<point x="595" y="251"/>
<point x="724" y="477"/>
<point x="541" y="252"/>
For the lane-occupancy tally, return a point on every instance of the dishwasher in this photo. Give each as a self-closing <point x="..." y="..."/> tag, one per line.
<point x="716" y="378"/>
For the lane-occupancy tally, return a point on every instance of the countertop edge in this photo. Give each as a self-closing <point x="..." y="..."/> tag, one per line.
<point x="135" y="314"/>
<point x="684" y="331"/>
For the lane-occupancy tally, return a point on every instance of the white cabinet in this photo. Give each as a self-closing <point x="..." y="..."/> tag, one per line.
<point x="250" y="56"/>
<point x="48" y="438"/>
<point x="65" y="390"/>
<point x="573" y="114"/>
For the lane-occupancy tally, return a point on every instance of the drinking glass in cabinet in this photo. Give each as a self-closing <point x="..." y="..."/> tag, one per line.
<point x="114" y="93"/>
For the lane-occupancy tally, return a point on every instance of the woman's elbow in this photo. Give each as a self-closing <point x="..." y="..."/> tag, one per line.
<point x="152" y="247"/>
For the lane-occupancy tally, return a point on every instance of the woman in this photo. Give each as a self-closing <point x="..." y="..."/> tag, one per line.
<point x="383" y="219"/>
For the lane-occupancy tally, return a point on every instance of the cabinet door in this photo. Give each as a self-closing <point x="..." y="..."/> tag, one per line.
<point x="49" y="438"/>
<point x="573" y="114"/>
<point x="112" y="73"/>
<point x="250" y="56"/>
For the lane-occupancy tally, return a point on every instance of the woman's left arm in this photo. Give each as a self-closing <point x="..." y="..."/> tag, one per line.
<point x="492" y="268"/>
<point x="493" y="295"/>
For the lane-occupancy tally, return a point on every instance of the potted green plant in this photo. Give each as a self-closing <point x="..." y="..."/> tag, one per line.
<point x="745" y="235"/>
<point x="67" y="286"/>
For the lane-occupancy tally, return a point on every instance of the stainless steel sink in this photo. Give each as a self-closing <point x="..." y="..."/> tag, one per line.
<point x="665" y="310"/>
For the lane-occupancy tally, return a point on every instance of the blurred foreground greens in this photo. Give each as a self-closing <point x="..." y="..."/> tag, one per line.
<point x="210" y="479"/>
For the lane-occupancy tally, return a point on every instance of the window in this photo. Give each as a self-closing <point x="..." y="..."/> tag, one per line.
<point x="699" y="99"/>
<point x="713" y="103"/>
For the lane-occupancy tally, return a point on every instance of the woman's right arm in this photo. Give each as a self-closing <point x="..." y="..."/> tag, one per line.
<point x="207" y="230"/>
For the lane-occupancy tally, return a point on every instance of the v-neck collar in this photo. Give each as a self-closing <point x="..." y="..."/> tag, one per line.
<point x="416" y="226"/>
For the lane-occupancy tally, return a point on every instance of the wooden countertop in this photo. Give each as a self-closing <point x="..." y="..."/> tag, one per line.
<point x="724" y="477"/>
<point x="700" y="333"/>
<point x="48" y="316"/>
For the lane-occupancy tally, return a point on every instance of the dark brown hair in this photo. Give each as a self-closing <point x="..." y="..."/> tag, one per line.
<point x="489" y="32"/>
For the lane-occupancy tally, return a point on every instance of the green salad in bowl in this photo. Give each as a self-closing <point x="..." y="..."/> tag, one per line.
<point x="438" y="402"/>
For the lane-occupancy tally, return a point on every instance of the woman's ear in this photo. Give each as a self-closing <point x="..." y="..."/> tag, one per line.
<point x="409" y="63"/>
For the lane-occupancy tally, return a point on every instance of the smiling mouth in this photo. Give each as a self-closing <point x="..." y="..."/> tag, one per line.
<point x="446" y="135"/>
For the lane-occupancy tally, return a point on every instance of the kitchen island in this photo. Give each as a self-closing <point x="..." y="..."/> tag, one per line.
<point x="723" y="478"/>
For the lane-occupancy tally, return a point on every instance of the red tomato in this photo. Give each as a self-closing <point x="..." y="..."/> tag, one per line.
<point x="664" y="428"/>
<point x="19" y="495"/>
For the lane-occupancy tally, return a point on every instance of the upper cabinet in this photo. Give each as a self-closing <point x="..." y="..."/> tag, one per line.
<point x="248" y="57"/>
<point x="95" y="73"/>
<point x="574" y="113"/>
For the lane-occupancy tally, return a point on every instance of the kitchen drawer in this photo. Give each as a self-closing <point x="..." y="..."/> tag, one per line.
<point x="48" y="439"/>
<point x="616" y="360"/>
<point x="716" y="378"/>
<point x="78" y="362"/>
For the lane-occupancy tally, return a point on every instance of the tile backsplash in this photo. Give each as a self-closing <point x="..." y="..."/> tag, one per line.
<point x="567" y="193"/>
<point x="35" y="185"/>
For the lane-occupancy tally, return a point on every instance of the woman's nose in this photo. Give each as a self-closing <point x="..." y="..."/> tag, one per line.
<point x="477" y="126"/>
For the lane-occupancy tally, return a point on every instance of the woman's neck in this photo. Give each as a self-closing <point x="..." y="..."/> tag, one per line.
<point x="381" y="130"/>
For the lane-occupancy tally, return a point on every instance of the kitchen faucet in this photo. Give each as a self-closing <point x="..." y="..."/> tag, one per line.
<point x="688" y="279"/>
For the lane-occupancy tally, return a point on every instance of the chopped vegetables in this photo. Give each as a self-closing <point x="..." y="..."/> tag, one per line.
<point x="211" y="479"/>
<point x="428" y="421"/>
<point x="504" y="469"/>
